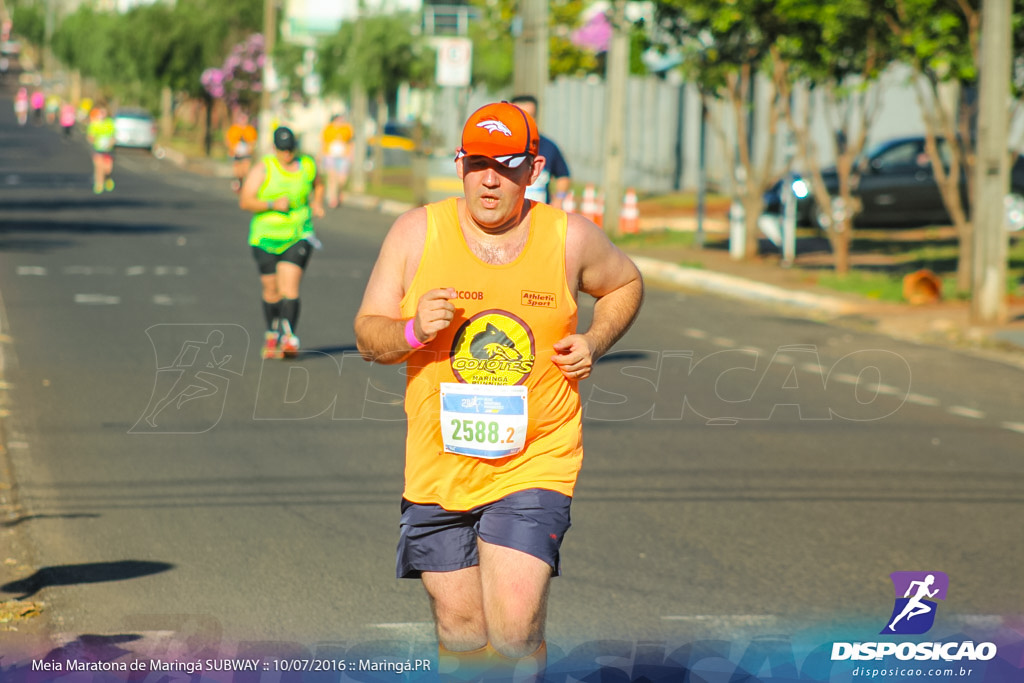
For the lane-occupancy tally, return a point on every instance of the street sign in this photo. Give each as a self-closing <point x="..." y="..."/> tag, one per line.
<point x="454" y="61"/>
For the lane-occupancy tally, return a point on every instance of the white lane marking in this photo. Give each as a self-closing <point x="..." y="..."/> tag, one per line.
<point x="30" y="270"/>
<point x="845" y="378"/>
<point x="885" y="389"/>
<point x="1014" y="426"/>
<point x="163" y="300"/>
<point x="726" y="619"/>
<point x="783" y="358"/>
<point x="97" y="299"/>
<point x="694" y="333"/>
<point x="89" y="270"/>
<point x="134" y="270"/>
<point x="964" y="411"/>
<point x="723" y="341"/>
<point x="813" y="368"/>
<point x="922" y="400"/>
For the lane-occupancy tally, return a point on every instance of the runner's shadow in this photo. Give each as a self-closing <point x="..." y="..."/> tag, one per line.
<point x="72" y="574"/>
<point x="314" y="351"/>
<point x="86" y="648"/>
<point x="28" y="518"/>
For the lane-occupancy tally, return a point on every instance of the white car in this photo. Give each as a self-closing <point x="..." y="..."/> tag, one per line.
<point x="134" y="128"/>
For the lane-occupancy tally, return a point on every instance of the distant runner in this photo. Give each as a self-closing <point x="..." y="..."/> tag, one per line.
<point x="21" y="106"/>
<point x="241" y="142"/>
<point x="337" y="152"/>
<point x="285" y="193"/>
<point x="100" y="135"/>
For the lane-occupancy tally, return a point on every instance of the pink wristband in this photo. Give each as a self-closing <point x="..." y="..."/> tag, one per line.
<point x="410" y="335"/>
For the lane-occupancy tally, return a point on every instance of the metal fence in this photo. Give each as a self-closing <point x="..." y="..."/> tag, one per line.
<point x="663" y="128"/>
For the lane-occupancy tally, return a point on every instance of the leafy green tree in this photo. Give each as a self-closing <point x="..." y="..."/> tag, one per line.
<point x="838" y="49"/>
<point x="724" y="46"/>
<point x="29" y="22"/>
<point x="941" y="41"/>
<point x="494" y="44"/>
<point x="375" y="54"/>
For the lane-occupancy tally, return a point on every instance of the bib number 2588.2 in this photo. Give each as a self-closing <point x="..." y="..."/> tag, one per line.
<point x="483" y="421"/>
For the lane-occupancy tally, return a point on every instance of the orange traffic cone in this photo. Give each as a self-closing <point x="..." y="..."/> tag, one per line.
<point x="569" y="203"/>
<point x="629" y="220"/>
<point x="589" y="205"/>
<point x="599" y="210"/>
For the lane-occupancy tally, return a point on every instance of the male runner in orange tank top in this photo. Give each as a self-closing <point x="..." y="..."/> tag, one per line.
<point x="477" y="295"/>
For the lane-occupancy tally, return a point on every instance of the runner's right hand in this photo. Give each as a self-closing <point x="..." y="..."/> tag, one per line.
<point x="434" y="313"/>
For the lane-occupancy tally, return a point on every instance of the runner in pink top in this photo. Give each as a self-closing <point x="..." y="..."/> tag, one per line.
<point x="21" y="106"/>
<point x="67" y="119"/>
<point x="38" y="100"/>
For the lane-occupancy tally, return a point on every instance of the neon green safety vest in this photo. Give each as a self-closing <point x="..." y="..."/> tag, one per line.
<point x="101" y="133"/>
<point x="275" y="231"/>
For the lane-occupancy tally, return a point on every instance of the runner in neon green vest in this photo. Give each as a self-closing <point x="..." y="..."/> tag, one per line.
<point x="284" y="192"/>
<point x="100" y="134"/>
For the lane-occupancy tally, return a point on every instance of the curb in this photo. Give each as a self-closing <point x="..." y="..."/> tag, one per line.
<point x="741" y="288"/>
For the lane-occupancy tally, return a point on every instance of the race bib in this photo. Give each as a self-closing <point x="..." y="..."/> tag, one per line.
<point x="337" y="149"/>
<point x="105" y="143"/>
<point x="483" y="421"/>
<point x="242" y="148"/>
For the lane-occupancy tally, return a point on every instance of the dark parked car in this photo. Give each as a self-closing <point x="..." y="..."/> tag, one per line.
<point x="897" y="188"/>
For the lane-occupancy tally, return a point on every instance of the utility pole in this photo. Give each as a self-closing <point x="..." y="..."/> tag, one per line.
<point x="269" y="81"/>
<point x="616" y="73"/>
<point x="531" y="51"/>
<point x="991" y="240"/>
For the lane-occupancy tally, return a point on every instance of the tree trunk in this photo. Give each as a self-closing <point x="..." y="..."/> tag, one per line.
<point x="378" y="149"/>
<point x="207" y="128"/>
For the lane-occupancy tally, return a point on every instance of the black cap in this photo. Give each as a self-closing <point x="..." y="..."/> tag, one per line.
<point x="284" y="139"/>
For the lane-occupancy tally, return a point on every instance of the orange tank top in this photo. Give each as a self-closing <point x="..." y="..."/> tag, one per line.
<point x="507" y="320"/>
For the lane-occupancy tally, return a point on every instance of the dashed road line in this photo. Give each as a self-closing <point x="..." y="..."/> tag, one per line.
<point x="922" y="400"/>
<point x="30" y="270"/>
<point x="964" y="411"/>
<point x="1014" y="426"/>
<point x="97" y="299"/>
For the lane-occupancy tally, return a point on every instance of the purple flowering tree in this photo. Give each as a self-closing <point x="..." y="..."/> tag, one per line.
<point x="240" y="79"/>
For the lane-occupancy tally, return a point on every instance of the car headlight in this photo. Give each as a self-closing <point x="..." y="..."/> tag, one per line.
<point x="1014" y="205"/>
<point x="800" y="189"/>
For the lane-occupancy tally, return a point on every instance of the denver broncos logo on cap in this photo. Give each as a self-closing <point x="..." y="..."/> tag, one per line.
<point x="495" y="125"/>
<point x="493" y="347"/>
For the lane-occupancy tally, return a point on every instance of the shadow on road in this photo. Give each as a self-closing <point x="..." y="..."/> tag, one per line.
<point x="17" y="521"/>
<point x="86" y="203"/>
<point x="92" y="572"/>
<point x="85" y="648"/>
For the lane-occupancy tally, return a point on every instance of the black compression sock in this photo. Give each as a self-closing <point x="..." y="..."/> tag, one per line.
<point x="290" y="313"/>
<point x="272" y="313"/>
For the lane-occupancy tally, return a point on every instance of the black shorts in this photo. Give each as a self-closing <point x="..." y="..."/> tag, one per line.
<point x="433" y="539"/>
<point x="298" y="254"/>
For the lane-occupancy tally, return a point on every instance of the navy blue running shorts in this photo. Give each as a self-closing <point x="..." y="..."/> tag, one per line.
<point x="298" y="254"/>
<point x="433" y="539"/>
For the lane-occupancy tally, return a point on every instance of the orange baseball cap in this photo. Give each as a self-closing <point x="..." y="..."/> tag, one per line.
<point x="500" y="131"/>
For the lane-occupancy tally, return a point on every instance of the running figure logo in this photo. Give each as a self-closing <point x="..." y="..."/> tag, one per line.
<point x="916" y="592"/>
<point x="190" y="391"/>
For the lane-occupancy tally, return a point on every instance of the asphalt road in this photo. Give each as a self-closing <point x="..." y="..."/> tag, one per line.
<point x="747" y="473"/>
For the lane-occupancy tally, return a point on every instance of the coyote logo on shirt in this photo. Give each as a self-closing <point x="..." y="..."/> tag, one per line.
<point x="493" y="343"/>
<point x="493" y="347"/>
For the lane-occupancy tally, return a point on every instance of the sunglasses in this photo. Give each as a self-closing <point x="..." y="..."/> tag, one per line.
<point x="508" y="161"/>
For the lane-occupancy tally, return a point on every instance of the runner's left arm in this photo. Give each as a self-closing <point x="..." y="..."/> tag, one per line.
<point x="607" y="274"/>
